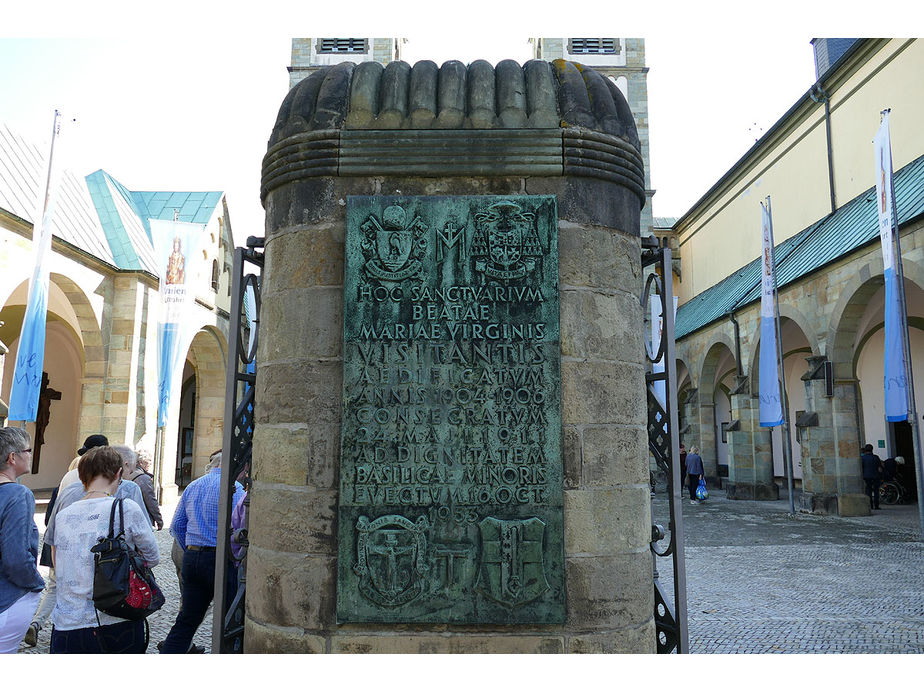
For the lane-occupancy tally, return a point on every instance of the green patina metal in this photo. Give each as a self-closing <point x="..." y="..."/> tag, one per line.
<point x="450" y="472"/>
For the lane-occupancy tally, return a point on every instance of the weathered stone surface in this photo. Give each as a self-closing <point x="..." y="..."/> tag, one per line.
<point x="308" y="323"/>
<point x="290" y="589"/>
<point x="312" y="257"/>
<point x="629" y="640"/>
<point x="297" y="455"/>
<point x="615" y="455"/>
<point x="598" y="257"/>
<point x="742" y="490"/>
<point x="299" y="391"/>
<point x="598" y="392"/>
<point x="295" y="521"/>
<point x="404" y="643"/>
<point x="608" y="592"/>
<point x="572" y="457"/>
<point x="261" y="639"/>
<point x="601" y="325"/>
<point x="853" y="505"/>
<point x="606" y="522"/>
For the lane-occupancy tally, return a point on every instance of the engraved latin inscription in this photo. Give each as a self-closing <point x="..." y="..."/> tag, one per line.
<point x="450" y="481"/>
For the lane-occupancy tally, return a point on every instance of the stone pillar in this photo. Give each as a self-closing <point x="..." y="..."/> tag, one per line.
<point x="690" y="405"/>
<point x="706" y="423"/>
<point x="831" y="451"/>
<point x="750" y="465"/>
<point x="292" y="561"/>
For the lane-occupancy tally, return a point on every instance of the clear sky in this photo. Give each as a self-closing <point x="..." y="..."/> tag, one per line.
<point x="183" y="95"/>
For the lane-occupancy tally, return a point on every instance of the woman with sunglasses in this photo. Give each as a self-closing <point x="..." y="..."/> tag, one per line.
<point x="20" y="582"/>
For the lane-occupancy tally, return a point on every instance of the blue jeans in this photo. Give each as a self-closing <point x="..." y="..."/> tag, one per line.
<point x="126" y="637"/>
<point x="198" y="588"/>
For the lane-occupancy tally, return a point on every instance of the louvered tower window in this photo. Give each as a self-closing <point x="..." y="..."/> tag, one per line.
<point x="343" y="45"/>
<point x="593" y="46"/>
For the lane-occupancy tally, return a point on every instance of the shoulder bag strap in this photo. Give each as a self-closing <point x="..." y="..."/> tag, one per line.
<point x="112" y="534"/>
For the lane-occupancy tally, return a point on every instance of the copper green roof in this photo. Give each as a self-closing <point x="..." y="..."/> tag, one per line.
<point x="97" y="214"/>
<point x="852" y="226"/>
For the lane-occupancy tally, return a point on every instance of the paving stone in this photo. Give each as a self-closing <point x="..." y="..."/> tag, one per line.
<point x="762" y="581"/>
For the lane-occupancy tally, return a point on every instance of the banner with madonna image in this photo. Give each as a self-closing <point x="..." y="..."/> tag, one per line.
<point x="176" y="245"/>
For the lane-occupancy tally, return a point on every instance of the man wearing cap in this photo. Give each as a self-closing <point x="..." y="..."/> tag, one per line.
<point x="43" y="612"/>
<point x="195" y="527"/>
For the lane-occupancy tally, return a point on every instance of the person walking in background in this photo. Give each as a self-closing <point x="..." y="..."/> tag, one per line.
<point x="43" y="612"/>
<point x="20" y="581"/>
<point x="195" y="527"/>
<point x="695" y="472"/>
<point x="77" y="627"/>
<point x="132" y="472"/>
<point x="872" y="475"/>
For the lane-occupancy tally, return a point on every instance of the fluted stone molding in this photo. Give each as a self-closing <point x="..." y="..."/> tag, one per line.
<point x="543" y="118"/>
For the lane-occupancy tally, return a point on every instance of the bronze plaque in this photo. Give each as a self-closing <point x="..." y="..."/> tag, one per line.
<point x="450" y="469"/>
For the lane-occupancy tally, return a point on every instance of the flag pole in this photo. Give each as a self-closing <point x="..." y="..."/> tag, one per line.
<point x="784" y="400"/>
<point x="39" y="233"/>
<point x="906" y="342"/>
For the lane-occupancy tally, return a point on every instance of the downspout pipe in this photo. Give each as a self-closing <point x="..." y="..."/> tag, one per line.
<point x="819" y="95"/>
<point x="731" y="316"/>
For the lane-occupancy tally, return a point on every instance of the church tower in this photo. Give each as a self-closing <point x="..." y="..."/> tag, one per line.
<point x="309" y="54"/>
<point x="623" y="61"/>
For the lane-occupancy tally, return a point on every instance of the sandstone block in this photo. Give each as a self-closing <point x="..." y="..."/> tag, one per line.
<point x="291" y="590"/>
<point x="305" y="258"/>
<point x="598" y="392"/>
<point x="615" y="455"/>
<point x="261" y="639"/>
<point x="604" y="592"/>
<point x="607" y="522"/>
<point x="301" y="391"/>
<point x="294" y="521"/>
<point x="630" y="640"/>
<point x="306" y="323"/>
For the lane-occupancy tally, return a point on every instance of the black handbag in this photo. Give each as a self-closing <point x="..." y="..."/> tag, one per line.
<point x="123" y="585"/>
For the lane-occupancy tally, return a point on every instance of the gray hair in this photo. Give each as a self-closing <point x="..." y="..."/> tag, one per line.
<point x="12" y="440"/>
<point x="129" y="456"/>
<point x="214" y="460"/>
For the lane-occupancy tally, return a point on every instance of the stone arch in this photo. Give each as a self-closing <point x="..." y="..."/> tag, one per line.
<point x="207" y="353"/>
<point x="721" y="351"/>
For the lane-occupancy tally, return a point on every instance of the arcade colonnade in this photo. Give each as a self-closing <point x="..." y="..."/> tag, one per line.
<point x="834" y="315"/>
<point x="101" y="361"/>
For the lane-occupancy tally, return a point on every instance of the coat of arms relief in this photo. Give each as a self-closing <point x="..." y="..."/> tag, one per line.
<point x="393" y="247"/>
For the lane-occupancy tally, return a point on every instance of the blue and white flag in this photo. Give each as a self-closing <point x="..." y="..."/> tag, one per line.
<point x="771" y="405"/>
<point x="657" y="328"/>
<point x="894" y="378"/>
<point x="30" y="357"/>
<point x="176" y="246"/>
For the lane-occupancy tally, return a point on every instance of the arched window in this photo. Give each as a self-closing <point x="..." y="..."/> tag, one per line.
<point x="215" y="275"/>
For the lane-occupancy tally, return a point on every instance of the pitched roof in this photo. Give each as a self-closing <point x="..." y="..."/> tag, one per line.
<point x="97" y="214"/>
<point x="853" y="225"/>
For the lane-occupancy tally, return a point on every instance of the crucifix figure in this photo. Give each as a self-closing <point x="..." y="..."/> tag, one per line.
<point x="46" y="394"/>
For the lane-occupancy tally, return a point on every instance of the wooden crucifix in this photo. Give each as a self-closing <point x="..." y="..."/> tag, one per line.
<point x="46" y="394"/>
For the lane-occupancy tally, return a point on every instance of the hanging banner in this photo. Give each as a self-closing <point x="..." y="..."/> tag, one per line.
<point x="176" y="245"/>
<point x="771" y="406"/>
<point x="657" y="326"/>
<point x="894" y="378"/>
<point x="30" y="357"/>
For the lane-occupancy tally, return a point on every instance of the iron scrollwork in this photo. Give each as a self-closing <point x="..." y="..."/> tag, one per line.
<point x="663" y="443"/>
<point x="228" y="623"/>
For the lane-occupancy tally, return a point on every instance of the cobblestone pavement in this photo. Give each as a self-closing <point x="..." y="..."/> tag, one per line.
<point x="762" y="581"/>
<point x="165" y="574"/>
<point x="758" y="580"/>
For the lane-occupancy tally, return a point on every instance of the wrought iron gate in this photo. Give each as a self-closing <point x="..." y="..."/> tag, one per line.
<point x="228" y="610"/>
<point x="664" y="445"/>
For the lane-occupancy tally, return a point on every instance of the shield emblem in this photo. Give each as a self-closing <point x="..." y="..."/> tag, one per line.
<point x="512" y="570"/>
<point x="391" y="555"/>
<point x="505" y="246"/>
<point x="393" y="247"/>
